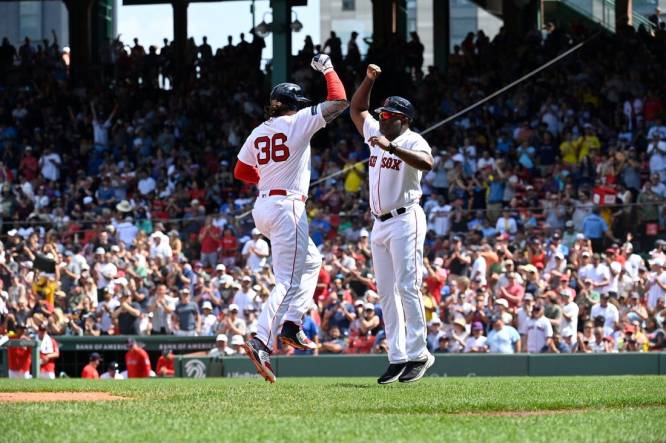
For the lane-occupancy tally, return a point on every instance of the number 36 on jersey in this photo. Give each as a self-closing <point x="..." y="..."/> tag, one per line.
<point x="271" y="148"/>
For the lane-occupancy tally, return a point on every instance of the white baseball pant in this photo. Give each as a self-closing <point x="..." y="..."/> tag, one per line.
<point x="397" y="256"/>
<point x="296" y="262"/>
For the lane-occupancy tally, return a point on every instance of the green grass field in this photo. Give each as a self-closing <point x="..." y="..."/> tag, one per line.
<point x="562" y="409"/>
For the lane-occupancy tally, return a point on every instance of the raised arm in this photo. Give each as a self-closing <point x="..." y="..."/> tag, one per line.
<point x="336" y="98"/>
<point x="360" y="102"/>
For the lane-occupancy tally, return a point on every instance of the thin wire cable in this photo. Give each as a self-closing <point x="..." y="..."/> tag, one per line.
<point x="463" y="111"/>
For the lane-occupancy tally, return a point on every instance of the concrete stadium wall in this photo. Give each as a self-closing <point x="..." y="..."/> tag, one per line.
<point x="446" y="365"/>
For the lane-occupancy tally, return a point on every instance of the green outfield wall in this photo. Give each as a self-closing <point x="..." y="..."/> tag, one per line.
<point x="446" y="365"/>
<point x="75" y="351"/>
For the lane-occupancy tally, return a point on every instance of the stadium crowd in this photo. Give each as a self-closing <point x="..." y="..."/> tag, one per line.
<point x="545" y="208"/>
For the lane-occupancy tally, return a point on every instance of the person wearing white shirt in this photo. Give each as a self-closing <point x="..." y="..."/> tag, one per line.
<point x="476" y="342"/>
<point x="656" y="283"/>
<point x="160" y="246"/>
<point x="539" y="332"/>
<point x="485" y="162"/>
<point x="556" y="263"/>
<point x="606" y="310"/>
<point x="112" y="373"/>
<point x="634" y="261"/>
<point x="244" y="297"/>
<point x="50" y="165"/>
<point x="587" y="270"/>
<point x="126" y="231"/>
<point x="602" y="278"/>
<point x="506" y="224"/>
<point x="569" y="320"/>
<point x="101" y="127"/>
<point x="256" y="251"/>
<point x="439" y="219"/>
<point x="656" y="150"/>
<point x="479" y="268"/>
<point x="221" y="349"/>
<point x="208" y="320"/>
<point x="146" y="184"/>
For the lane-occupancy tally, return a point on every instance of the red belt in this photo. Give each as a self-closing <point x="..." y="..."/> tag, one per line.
<point x="285" y="193"/>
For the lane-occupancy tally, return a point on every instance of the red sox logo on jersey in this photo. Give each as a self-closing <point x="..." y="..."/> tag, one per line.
<point x="387" y="162"/>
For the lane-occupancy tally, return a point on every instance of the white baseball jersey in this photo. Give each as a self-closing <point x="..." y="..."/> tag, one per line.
<point x="401" y="182"/>
<point x="280" y="149"/>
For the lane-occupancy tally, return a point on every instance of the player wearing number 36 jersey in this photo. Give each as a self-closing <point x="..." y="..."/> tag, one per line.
<point x="276" y="156"/>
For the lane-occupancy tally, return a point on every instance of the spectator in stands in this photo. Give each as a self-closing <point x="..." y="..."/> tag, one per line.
<point x="503" y="339"/>
<point x="237" y="344"/>
<point x="232" y="324"/>
<point x="334" y="342"/>
<point x="161" y="305"/>
<point x="539" y="332"/>
<point x="255" y="251"/>
<point x="186" y="318"/>
<point x="221" y="349"/>
<point x="209" y="238"/>
<point x="208" y="319"/>
<point x="477" y="341"/>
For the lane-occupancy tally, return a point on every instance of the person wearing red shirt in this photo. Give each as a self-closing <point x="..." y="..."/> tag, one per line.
<point x="48" y="353"/>
<point x="321" y="292"/>
<point x="165" y="364"/>
<point x="90" y="370"/>
<point x="137" y="361"/>
<point x="29" y="165"/>
<point x="20" y="357"/>
<point x="436" y="278"/>
<point x="512" y="292"/>
<point x="209" y="238"/>
<point x="229" y="245"/>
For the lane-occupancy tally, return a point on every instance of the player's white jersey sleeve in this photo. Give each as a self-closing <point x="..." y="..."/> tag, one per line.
<point x="370" y="128"/>
<point x="246" y="154"/>
<point x="309" y="120"/>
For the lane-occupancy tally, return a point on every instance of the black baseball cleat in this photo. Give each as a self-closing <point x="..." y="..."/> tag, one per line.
<point x="292" y="335"/>
<point x="415" y="370"/>
<point x="261" y="357"/>
<point x="394" y="371"/>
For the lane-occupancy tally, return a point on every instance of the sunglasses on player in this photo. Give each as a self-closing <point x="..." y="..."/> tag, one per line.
<point x="387" y="115"/>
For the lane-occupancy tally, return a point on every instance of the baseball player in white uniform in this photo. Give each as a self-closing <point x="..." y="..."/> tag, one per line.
<point x="397" y="158"/>
<point x="276" y="156"/>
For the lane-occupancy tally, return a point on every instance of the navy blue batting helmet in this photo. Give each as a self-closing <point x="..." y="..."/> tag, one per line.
<point x="290" y="95"/>
<point x="398" y="105"/>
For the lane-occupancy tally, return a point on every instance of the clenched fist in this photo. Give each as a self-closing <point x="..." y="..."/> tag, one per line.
<point x="322" y="63"/>
<point x="373" y="72"/>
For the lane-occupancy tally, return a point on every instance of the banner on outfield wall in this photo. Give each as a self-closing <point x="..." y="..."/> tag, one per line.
<point x="149" y="343"/>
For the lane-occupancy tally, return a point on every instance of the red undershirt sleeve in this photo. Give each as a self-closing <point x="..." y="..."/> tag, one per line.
<point x="246" y="173"/>
<point x="335" y="88"/>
